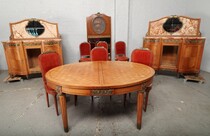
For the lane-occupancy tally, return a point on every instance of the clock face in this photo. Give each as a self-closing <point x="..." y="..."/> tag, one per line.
<point x="98" y="25"/>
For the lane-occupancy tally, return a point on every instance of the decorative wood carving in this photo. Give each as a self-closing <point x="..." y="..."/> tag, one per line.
<point x="102" y="92"/>
<point x="19" y="31"/>
<point x="190" y="27"/>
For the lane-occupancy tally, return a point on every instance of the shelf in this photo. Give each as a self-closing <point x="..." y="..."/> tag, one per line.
<point x="101" y="36"/>
<point x="35" y="69"/>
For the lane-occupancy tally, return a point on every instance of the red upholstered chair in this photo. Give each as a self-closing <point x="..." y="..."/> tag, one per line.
<point x="103" y="43"/>
<point x="99" y="54"/>
<point x="85" y="49"/>
<point x="48" y="61"/>
<point x="144" y="57"/>
<point x="120" y="51"/>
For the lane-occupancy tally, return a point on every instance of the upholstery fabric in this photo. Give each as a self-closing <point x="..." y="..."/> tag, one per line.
<point x="142" y="56"/>
<point x="99" y="54"/>
<point x="120" y="47"/>
<point x="48" y="61"/>
<point x="85" y="49"/>
<point x="120" y="51"/>
<point x="103" y="43"/>
<point x="121" y="58"/>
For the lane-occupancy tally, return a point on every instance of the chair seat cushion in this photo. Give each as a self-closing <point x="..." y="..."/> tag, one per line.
<point x="84" y="59"/>
<point x="50" y="90"/>
<point x="121" y="58"/>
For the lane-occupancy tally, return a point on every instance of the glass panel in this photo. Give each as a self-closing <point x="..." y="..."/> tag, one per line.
<point x="172" y="25"/>
<point x="34" y="28"/>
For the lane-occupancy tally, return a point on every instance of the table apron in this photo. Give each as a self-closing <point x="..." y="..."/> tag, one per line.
<point x="100" y="92"/>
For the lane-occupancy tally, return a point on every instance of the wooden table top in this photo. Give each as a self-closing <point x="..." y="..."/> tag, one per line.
<point x="99" y="75"/>
<point x="100" y="78"/>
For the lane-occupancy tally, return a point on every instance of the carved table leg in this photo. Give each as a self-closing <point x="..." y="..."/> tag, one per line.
<point x="140" y="98"/>
<point x="62" y="99"/>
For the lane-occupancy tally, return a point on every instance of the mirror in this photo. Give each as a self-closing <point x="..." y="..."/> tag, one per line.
<point x="34" y="28"/>
<point x="172" y="24"/>
<point x="98" y="25"/>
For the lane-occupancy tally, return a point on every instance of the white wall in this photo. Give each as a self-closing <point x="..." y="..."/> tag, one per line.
<point x="69" y="14"/>
<point x="148" y="10"/>
<point x="121" y="22"/>
<point x="129" y="20"/>
<point x="201" y="9"/>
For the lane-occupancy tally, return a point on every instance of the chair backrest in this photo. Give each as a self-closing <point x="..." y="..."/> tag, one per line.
<point x="142" y="56"/>
<point x="99" y="54"/>
<point x="85" y="49"/>
<point x="103" y="43"/>
<point x="120" y="48"/>
<point x="48" y="61"/>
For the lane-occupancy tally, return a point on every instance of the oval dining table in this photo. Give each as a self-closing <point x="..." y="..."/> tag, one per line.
<point x="100" y="78"/>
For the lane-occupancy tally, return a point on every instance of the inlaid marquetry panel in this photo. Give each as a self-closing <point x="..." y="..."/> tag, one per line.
<point x="190" y="27"/>
<point x="18" y="30"/>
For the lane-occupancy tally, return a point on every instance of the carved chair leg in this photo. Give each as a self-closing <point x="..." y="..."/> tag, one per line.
<point x="124" y="99"/>
<point x="75" y="100"/>
<point x="129" y="95"/>
<point x="47" y="99"/>
<point x="56" y="105"/>
<point x="92" y="99"/>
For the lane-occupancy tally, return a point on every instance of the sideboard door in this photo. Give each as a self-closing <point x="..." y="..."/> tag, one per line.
<point x="15" y="57"/>
<point x="191" y="55"/>
<point x="154" y="44"/>
<point x="53" y="46"/>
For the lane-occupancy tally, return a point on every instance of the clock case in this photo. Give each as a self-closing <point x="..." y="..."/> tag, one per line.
<point x="99" y="29"/>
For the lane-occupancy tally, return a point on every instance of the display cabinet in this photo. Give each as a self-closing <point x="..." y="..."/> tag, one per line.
<point x="176" y="43"/>
<point x="99" y="29"/>
<point x="28" y="39"/>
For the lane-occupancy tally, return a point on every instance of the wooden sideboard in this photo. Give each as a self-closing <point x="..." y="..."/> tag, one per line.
<point x="176" y="43"/>
<point x="28" y="39"/>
